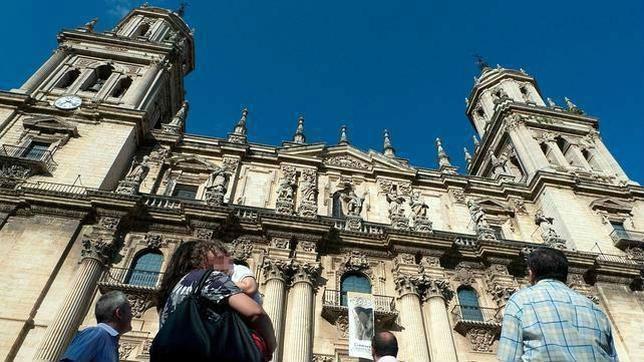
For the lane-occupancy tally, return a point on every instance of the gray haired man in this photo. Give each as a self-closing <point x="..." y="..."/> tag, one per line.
<point x="100" y="343"/>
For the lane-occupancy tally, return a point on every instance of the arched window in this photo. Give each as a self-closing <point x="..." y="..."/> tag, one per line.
<point x="100" y="76"/>
<point x="353" y="282"/>
<point x="469" y="304"/>
<point x="145" y="269"/>
<point x="68" y="79"/>
<point x="121" y="87"/>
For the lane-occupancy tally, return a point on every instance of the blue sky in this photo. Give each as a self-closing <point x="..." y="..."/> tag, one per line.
<point x="401" y="65"/>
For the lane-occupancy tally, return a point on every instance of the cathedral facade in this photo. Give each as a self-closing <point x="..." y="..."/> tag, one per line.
<point x="99" y="184"/>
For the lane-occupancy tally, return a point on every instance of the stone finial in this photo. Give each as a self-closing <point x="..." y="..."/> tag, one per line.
<point x="344" y="140"/>
<point x="476" y="142"/>
<point x="468" y="157"/>
<point x="389" y="150"/>
<point x="299" y="131"/>
<point x="181" y="11"/>
<point x="239" y="134"/>
<point x="572" y="108"/>
<point x="444" y="164"/>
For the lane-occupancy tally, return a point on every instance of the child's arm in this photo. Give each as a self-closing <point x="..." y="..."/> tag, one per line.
<point x="248" y="285"/>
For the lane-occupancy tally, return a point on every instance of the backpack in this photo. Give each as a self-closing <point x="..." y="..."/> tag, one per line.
<point x="188" y="335"/>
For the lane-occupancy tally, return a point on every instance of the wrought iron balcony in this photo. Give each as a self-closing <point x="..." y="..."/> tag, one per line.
<point x="467" y="317"/>
<point x="334" y="305"/>
<point x="625" y="238"/>
<point x="26" y="161"/>
<point x="128" y="279"/>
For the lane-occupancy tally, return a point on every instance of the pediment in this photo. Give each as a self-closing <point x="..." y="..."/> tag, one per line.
<point x="50" y="124"/>
<point x="492" y="206"/>
<point x="191" y="162"/>
<point x="611" y="205"/>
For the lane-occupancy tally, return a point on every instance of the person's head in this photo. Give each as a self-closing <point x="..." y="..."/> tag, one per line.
<point x="192" y="255"/>
<point x="384" y="344"/>
<point x="547" y="263"/>
<point x="114" y="309"/>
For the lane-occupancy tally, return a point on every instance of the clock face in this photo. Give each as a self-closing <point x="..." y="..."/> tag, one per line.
<point x="68" y="102"/>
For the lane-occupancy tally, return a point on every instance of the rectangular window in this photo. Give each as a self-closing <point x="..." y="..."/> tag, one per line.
<point x="185" y="191"/>
<point x="36" y="150"/>
<point x="618" y="226"/>
<point x="498" y="231"/>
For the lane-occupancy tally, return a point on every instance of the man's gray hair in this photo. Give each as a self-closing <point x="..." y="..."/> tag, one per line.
<point x="107" y="304"/>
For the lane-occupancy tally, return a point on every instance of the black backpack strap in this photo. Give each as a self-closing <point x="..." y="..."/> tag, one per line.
<point x="202" y="281"/>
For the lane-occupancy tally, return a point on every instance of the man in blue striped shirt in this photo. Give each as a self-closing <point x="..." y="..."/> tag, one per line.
<point x="100" y="343"/>
<point x="551" y="322"/>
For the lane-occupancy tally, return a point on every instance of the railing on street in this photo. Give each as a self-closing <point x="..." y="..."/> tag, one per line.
<point x="131" y="278"/>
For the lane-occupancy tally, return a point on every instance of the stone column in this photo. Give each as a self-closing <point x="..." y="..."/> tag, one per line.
<point x="274" y="271"/>
<point x="100" y="247"/>
<point x="411" y="319"/>
<point x="441" y="342"/>
<point x="44" y="71"/>
<point x="299" y="337"/>
<point x="527" y="149"/>
<point x="142" y="86"/>
<point x="607" y="157"/>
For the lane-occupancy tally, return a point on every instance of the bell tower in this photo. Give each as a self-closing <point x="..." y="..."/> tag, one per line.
<point x="522" y="135"/>
<point x="104" y="89"/>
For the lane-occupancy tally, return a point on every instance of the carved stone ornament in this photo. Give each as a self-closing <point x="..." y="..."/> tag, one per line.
<point x="204" y="234"/>
<point x="577" y="283"/>
<point x="216" y="186"/>
<point x="436" y="288"/>
<point x="308" y="194"/>
<point x="159" y="154"/>
<point x="342" y="325"/>
<point x="403" y="188"/>
<point x="109" y="223"/>
<point x="14" y="172"/>
<point x="458" y="195"/>
<point x="464" y="274"/>
<point x="323" y="357"/>
<point x="481" y="339"/>
<point x="242" y="249"/>
<point x="305" y="273"/>
<point x="285" y="203"/>
<point x="154" y="241"/>
<point x="103" y="247"/>
<point x="347" y="161"/>
<point x="404" y="259"/>
<point x="280" y="243"/>
<point x="125" y="349"/>
<point x="276" y="269"/>
<point x="518" y="205"/>
<point x="139" y="303"/>
<point x="482" y="227"/>
<point x="548" y="233"/>
<point x="306" y="246"/>
<point x="406" y="284"/>
<point x="635" y="252"/>
<point x="138" y="171"/>
<point x="354" y="223"/>
<point x="514" y="121"/>
<point x="356" y="261"/>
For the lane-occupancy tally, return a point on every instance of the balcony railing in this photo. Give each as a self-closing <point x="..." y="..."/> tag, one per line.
<point x="467" y="317"/>
<point x="334" y="305"/>
<point x="162" y="202"/>
<point x="625" y="238"/>
<point x="128" y="278"/>
<point x="40" y="160"/>
<point x="52" y="187"/>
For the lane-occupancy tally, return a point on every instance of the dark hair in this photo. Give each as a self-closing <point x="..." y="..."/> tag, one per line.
<point x="548" y="263"/>
<point x="384" y="344"/>
<point x="190" y="255"/>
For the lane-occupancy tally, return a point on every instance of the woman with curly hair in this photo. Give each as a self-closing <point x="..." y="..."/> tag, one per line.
<point x="203" y="266"/>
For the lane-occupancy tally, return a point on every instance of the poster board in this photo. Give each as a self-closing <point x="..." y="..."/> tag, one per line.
<point x="361" y="324"/>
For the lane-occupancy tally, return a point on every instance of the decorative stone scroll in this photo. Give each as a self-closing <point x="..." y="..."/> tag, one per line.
<point x="241" y="248"/>
<point x="309" y="193"/>
<point x="276" y="269"/>
<point x="285" y="203"/>
<point x="204" y="233"/>
<point x="101" y="243"/>
<point x="154" y="241"/>
<point x="347" y="161"/>
<point x="306" y="272"/>
<point x="140" y="302"/>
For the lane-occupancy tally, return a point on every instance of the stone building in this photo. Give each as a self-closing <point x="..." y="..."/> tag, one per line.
<point x="99" y="184"/>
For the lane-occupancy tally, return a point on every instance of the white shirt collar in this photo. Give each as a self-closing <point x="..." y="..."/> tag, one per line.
<point x="109" y="329"/>
<point x="387" y="359"/>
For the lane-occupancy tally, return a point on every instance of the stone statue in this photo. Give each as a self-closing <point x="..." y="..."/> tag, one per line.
<point x="499" y="164"/>
<point x="139" y="170"/>
<point x="551" y="103"/>
<point x="354" y="203"/>
<point x="418" y="206"/>
<point x="180" y="117"/>
<point x="89" y="26"/>
<point x="309" y="187"/>
<point x="395" y="203"/>
<point x="478" y="215"/>
<point x="548" y="233"/>
<point x="286" y="194"/>
<point x="572" y="107"/>
<point x="216" y="186"/>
